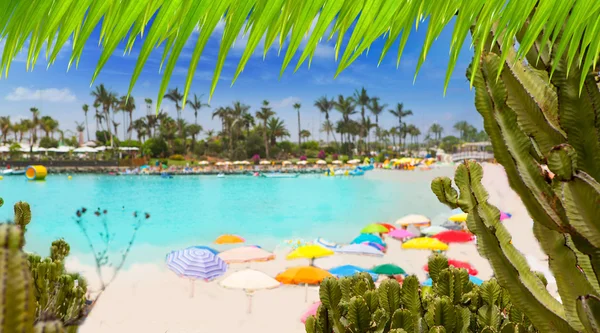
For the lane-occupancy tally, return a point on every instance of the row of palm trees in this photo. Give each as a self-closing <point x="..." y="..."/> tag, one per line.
<point x="30" y="128"/>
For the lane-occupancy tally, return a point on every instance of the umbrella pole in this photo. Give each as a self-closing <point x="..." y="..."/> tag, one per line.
<point x="249" y="294"/>
<point x="305" y="292"/>
<point x="193" y="287"/>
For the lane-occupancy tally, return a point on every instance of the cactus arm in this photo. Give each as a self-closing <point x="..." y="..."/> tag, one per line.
<point x="438" y="329"/>
<point x="330" y="294"/>
<point x="588" y="308"/>
<point x="381" y="319"/>
<point x="1" y="202"/>
<point x="53" y="326"/>
<point x="310" y="325"/>
<point x="409" y="295"/>
<point x="359" y="317"/>
<point x="436" y="264"/>
<point x="403" y="319"/>
<point x="585" y="263"/>
<point x="581" y="202"/>
<point x="389" y="295"/>
<point x="17" y="305"/>
<point x="577" y="113"/>
<point x="463" y="319"/>
<point x="441" y="313"/>
<point x="512" y="147"/>
<point x="571" y="282"/>
<point x="510" y="267"/>
<point x="22" y="214"/>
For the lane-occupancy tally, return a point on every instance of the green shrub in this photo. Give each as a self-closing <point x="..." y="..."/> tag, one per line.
<point x="48" y="142"/>
<point x="130" y="143"/>
<point x="312" y="145"/>
<point x="155" y="147"/>
<point x="177" y="157"/>
<point x="311" y="153"/>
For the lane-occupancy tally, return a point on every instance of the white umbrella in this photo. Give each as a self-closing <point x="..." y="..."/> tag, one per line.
<point x="227" y="163"/>
<point x="85" y="149"/>
<point x="129" y="148"/>
<point x="101" y="148"/>
<point x="286" y="162"/>
<point x="245" y="162"/>
<point x="321" y="162"/>
<point x="359" y="249"/>
<point x="237" y="162"/>
<point x="250" y="281"/>
<point x="219" y="163"/>
<point x="4" y="149"/>
<point x="301" y="162"/>
<point x="355" y="161"/>
<point x="263" y="162"/>
<point x="413" y="219"/>
<point x="203" y="162"/>
<point x="337" y="162"/>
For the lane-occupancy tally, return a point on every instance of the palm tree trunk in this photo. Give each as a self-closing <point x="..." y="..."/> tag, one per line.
<point x="130" y="122"/>
<point x="265" y="138"/>
<point x="299" y="130"/>
<point x="87" y="129"/>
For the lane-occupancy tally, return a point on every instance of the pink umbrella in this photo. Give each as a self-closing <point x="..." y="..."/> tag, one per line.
<point x="400" y="233"/>
<point x="504" y="216"/>
<point x="312" y="311"/>
<point x="375" y="245"/>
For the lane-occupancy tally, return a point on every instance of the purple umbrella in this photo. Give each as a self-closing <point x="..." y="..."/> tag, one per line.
<point x="195" y="263"/>
<point x="504" y="216"/>
<point x="375" y="245"/>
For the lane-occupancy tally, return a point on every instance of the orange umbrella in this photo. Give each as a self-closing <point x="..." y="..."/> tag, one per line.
<point x="302" y="275"/>
<point x="229" y="239"/>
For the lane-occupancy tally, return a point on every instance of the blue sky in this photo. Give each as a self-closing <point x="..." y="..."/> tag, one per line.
<point x="61" y="94"/>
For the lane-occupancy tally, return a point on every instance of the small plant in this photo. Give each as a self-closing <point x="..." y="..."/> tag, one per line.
<point x="255" y="158"/>
<point x="335" y="156"/>
<point x="322" y="155"/>
<point x="451" y="304"/>
<point x="303" y="158"/>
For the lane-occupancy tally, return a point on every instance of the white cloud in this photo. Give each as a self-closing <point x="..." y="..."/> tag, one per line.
<point x="48" y="95"/>
<point x="286" y="102"/>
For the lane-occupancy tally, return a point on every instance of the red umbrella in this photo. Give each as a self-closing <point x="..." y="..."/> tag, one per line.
<point x="454" y="236"/>
<point x="388" y="226"/>
<point x="458" y="264"/>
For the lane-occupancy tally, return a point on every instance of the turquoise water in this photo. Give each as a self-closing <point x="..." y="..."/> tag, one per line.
<point x="188" y="210"/>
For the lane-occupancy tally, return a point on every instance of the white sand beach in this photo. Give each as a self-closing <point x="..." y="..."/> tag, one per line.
<point x="150" y="298"/>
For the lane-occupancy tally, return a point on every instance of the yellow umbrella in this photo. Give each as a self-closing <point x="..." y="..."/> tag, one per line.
<point x="425" y="243"/>
<point x="310" y="252"/>
<point x="413" y="219"/>
<point x="462" y="217"/>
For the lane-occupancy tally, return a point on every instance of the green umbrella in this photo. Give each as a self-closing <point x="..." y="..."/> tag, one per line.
<point x="374" y="228"/>
<point x="388" y="269"/>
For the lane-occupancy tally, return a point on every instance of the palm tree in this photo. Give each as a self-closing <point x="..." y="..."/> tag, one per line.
<point x="193" y="130"/>
<point x="400" y="113"/>
<point x="276" y="129"/>
<point x="46" y="125"/>
<point x="96" y="105"/>
<point x="346" y="106"/>
<point x="462" y="127"/>
<point x="247" y="122"/>
<point x="362" y="99"/>
<point x="325" y="106"/>
<point x="80" y="127"/>
<point x="116" y="125"/>
<point x="437" y="130"/>
<point x="128" y="106"/>
<point x="35" y="122"/>
<point x="265" y="114"/>
<point x="5" y="127"/>
<point x="197" y="104"/>
<point x="141" y="128"/>
<point x="24" y="126"/>
<point x="327" y="127"/>
<point x="105" y="98"/>
<point x="148" y="102"/>
<point x="297" y="106"/>
<point x="304" y="134"/>
<point x="376" y="109"/>
<point x="86" y="108"/>
<point x="176" y="97"/>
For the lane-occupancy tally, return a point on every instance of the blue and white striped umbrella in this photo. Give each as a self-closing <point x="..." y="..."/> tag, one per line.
<point x="196" y="263"/>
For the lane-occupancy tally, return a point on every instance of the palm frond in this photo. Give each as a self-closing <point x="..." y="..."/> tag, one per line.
<point x="171" y="23"/>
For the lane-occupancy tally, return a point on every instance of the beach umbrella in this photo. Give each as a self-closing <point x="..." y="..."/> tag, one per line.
<point x="336" y="162"/>
<point x="195" y="264"/>
<point x="286" y="162"/>
<point x="388" y="269"/>
<point x="425" y="243"/>
<point x="229" y="239"/>
<point x="453" y="236"/>
<point x="303" y="275"/>
<point x="433" y="230"/>
<point x="462" y="217"/>
<point x="321" y="162"/>
<point x="310" y="252"/>
<point x="458" y="264"/>
<point x="203" y="162"/>
<point x="374" y="228"/>
<point x="301" y="162"/>
<point x="246" y="254"/>
<point x="354" y="161"/>
<point x="350" y="270"/>
<point x="400" y="234"/>
<point x="326" y="243"/>
<point x="250" y="281"/>
<point x="202" y="247"/>
<point x="475" y="280"/>
<point x="504" y="216"/>
<point x="368" y="238"/>
<point x="359" y="249"/>
<point x="264" y="162"/>
<point x="414" y="220"/>
<point x="452" y="226"/>
<point x="312" y="311"/>
<point x="388" y="226"/>
<point x="375" y="245"/>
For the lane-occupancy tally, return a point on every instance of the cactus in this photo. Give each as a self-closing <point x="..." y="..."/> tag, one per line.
<point x="453" y="304"/>
<point x="53" y="326"/>
<point x="22" y="214"/>
<point x="59" y="250"/>
<point x="535" y="117"/>
<point x="17" y="304"/>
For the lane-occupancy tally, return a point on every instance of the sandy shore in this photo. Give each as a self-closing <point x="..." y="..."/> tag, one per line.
<point x="149" y="298"/>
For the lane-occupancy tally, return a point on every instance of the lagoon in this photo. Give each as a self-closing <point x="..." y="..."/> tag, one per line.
<point x="192" y="210"/>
